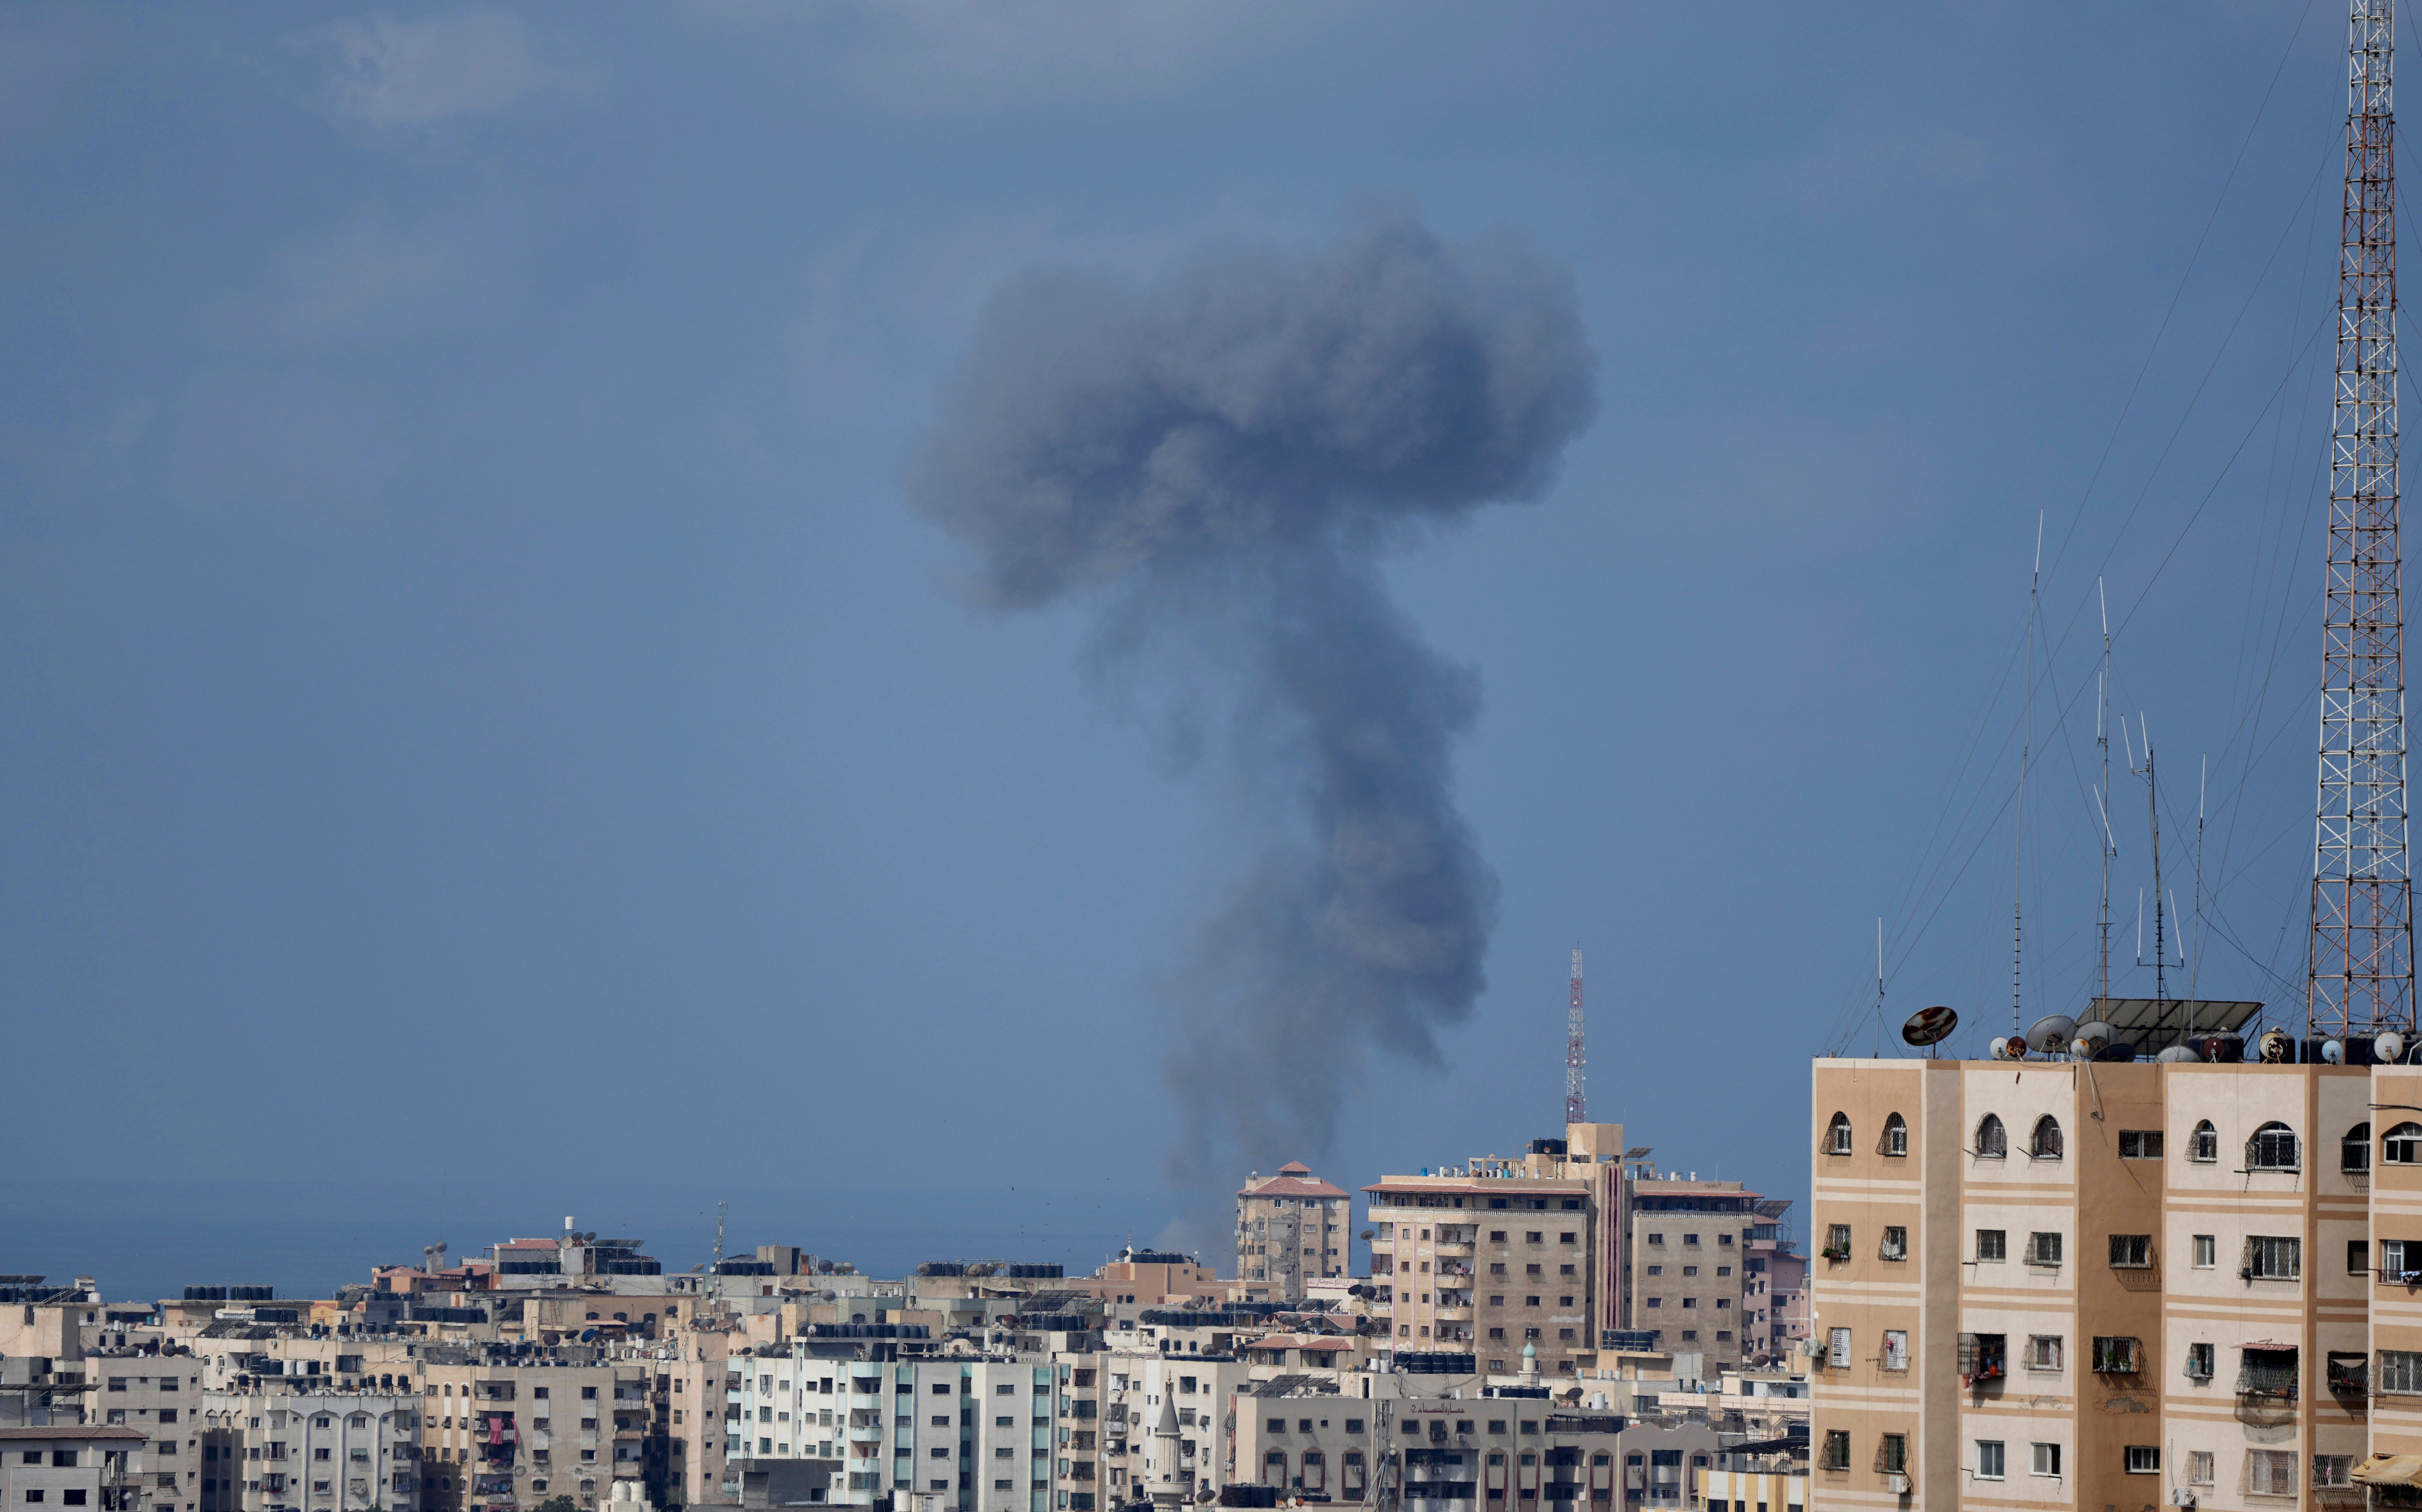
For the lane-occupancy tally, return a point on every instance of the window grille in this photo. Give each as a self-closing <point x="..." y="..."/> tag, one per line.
<point x="2046" y="1142"/>
<point x="1895" y="1135"/>
<point x="2116" y="1356"/>
<point x="2273" y="1147"/>
<point x="2204" y="1144"/>
<point x="1838" y="1135"/>
<point x="2043" y="1249"/>
<point x="2354" y="1151"/>
<point x="2273" y="1257"/>
<point x="2271" y="1472"/>
<point x="2402" y="1145"/>
<point x="1993" y="1142"/>
<point x="2268" y="1373"/>
<point x="2132" y="1251"/>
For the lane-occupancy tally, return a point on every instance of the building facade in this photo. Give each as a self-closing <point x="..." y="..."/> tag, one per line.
<point x="1291" y="1227"/>
<point x="2069" y="1284"/>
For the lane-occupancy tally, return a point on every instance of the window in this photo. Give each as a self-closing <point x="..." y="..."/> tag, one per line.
<point x="1983" y="1357"/>
<point x="1895" y="1350"/>
<point x="2402" y="1145"/>
<point x="1837" y="1450"/>
<point x="2267" y="1373"/>
<point x="2043" y="1249"/>
<point x="2330" y="1470"/>
<point x="2271" y="1472"/>
<point x="2045" y="1143"/>
<point x="2132" y="1251"/>
<point x="2204" y="1144"/>
<point x="2273" y="1258"/>
<point x="1837" y="1347"/>
<point x="2359" y="1254"/>
<point x="2200" y="1466"/>
<point x="1895" y="1135"/>
<point x="1992" y="1140"/>
<point x="2043" y="1351"/>
<point x="1838" y="1241"/>
<point x="2116" y="1356"/>
<point x="1896" y="1243"/>
<point x="2401" y="1371"/>
<point x="2354" y="1151"/>
<point x="1891" y="1454"/>
<point x="1993" y="1244"/>
<point x="2207" y="1252"/>
<point x="2140" y="1144"/>
<point x="2043" y="1459"/>
<point x="1988" y="1459"/>
<point x="2274" y="1148"/>
<point x="1838" y="1135"/>
<point x="2199" y="1362"/>
<point x="2144" y="1458"/>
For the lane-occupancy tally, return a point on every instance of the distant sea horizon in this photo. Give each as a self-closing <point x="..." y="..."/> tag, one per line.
<point x="148" y="1239"/>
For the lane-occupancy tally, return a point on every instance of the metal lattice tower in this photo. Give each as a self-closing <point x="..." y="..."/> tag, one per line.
<point x="1575" y="1105"/>
<point x="2361" y="972"/>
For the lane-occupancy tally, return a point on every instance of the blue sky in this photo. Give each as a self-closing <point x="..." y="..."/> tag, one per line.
<point x="477" y="694"/>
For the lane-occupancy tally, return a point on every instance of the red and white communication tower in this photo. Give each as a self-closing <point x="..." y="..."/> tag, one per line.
<point x="1575" y="1105"/>
<point x="2361" y="968"/>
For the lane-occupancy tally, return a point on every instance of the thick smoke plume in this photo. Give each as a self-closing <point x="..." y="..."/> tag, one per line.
<point x="1219" y="459"/>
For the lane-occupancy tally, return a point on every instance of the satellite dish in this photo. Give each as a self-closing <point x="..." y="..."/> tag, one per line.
<point x="1928" y="1026"/>
<point x="2050" y="1034"/>
<point x="2088" y="1039"/>
<point x="2388" y="1047"/>
<point x="2178" y="1053"/>
<point x="1998" y="1048"/>
<point x="2333" y="1052"/>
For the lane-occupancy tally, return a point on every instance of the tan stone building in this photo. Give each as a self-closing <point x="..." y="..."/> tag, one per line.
<point x="2061" y="1285"/>
<point x="1690" y="1282"/>
<point x="1290" y="1227"/>
<point x="1498" y="1253"/>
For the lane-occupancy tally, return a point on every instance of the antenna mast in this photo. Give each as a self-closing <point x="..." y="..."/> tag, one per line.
<point x="2103" y="798"/>
<point x="1575" y="1104"/>
<point x="2019" y="854"/>
<point x="2360" y="969"/>
<point x="721" y="1211"/>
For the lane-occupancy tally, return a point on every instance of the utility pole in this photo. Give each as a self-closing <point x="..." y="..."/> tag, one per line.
<point x="2359" y="972"/>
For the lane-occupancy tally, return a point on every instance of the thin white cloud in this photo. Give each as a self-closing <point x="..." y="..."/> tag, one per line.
<point x="372" y="280"/>
<point x="395" y="77"/>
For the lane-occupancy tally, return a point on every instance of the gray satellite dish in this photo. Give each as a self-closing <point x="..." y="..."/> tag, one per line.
<point x="1929" y="1026"/>
<point x="1998" y="1048"/>
<point x="2178" y="1053"/>
<point x="2388" y="1047"/>
<point x="2050" y="1034"/>
<point x="2088" y="1039"/>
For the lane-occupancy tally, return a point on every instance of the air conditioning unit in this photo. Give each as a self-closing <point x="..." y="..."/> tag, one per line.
<point x="1897" y="1484"/>
<point x="2182" y="1497"/>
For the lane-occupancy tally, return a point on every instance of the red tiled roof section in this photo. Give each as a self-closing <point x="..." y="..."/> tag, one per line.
<point x="1293" y="1187"/>
<point x="1295" y="1168"/>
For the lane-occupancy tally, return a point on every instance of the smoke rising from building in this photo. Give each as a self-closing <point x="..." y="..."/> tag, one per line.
<point x="1218" y="461"/>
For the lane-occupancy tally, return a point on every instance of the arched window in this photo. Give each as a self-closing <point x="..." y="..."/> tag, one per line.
<point x="2204" y="1144"/>
<point x="1992" y="1140"/>
<point x="2354" y="1151"/>
<point x="1895" y="1135"/>
<point x="2402" y="1145"/>
<point x="1274" y="1467"/>
<point x="2045" y="1143"/>
<point x="1838" y="1135"/>
<point x="2272" y="1148"/>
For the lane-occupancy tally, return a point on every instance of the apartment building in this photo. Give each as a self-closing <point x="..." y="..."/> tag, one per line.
<point x="1165" y="1424"/>
<point x="1500" y="1252"/>
<point x="265" y="1447"/>
<point x="1290" y="1227"/>
<point x="1690" y="1281"/>
<point x="69" y="1465"/>
<point x="496" y="1434"/>
<point x="2084" y="1284"/>
<point x="159" y="1396"/>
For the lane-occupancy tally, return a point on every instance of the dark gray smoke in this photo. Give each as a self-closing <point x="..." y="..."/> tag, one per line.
<point x="1219" y="459"/>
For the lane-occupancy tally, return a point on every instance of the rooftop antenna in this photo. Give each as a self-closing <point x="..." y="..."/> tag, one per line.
<point x="2019" y="851"/>
<point x="1880" y="974"/>
<point x="1576" y="1106"/>
<point x="722" y="1209"/>
<point x="2153" y="811"/>
<point x="2194" y="971"/>
<point x="2359" y="963"/>
<point x="2103" y="795"/>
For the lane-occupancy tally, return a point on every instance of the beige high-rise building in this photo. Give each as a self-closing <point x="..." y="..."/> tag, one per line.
<point x="1292" y="1227"/>
<point x="2053" y="1284"/>
<point x="1500" y="1253"/>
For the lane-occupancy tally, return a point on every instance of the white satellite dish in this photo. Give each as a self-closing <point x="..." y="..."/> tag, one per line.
<point x="2051" y="1034"/>
<point x="2388" y="1047"/>
<point x="2333" y="1052"/>
<point x="1996" y="1048"/>
<point x="2178" y="1054"/>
